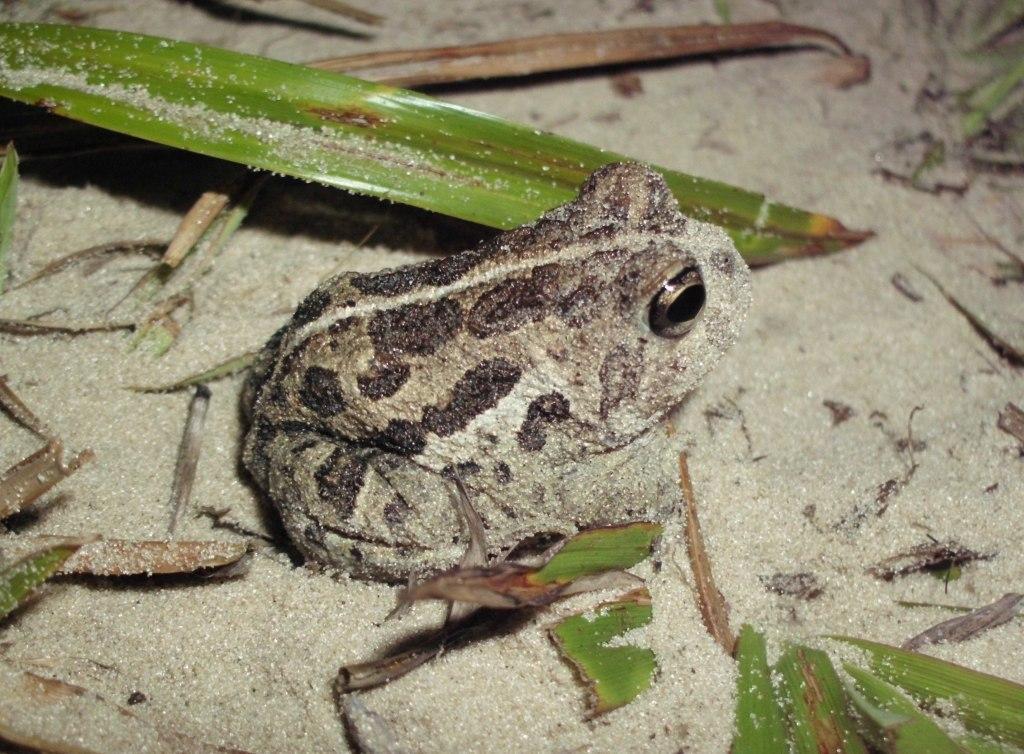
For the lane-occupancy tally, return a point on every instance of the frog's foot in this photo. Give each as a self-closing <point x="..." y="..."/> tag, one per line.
<point x="375" y="514"/>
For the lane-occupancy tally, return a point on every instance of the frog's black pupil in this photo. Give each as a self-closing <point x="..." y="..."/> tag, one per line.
<point x="687" y="304"/>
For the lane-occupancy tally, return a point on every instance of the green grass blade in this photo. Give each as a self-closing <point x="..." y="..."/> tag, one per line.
<point x="893" y="721"/>
<point x="20" y="580"/>
<point x="8" y="208"/>
<point x="614" y="674"/>
<point x="985" y="704"/>
<point x="989" y="97"/>
<point x="759" y="723"/>
<point x="597" y="550"/>
<point x="365" y="137"/>
<point x="816" y="702"/>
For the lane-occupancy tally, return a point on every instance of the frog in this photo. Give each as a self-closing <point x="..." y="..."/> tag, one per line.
<point x="540" y="370"/>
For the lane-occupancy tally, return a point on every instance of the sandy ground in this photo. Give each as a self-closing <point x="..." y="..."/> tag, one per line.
<point x="248" y="663"/>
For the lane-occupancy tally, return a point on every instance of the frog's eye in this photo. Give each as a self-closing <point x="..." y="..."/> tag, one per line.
<point x="677" y="305"/>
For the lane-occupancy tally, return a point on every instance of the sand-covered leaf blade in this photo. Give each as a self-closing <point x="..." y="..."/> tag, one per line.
<point x="893" y="721"/>
<point x="760" y="727"/>
<point x="816" y="704"/>
<point x="615" y="673"/>
<point x="20" y="579"/>
<point x="984" y="703"/>
<point x="365" y="137"/>
<point x="598" y="550"/>
<point x="8" y="208"/>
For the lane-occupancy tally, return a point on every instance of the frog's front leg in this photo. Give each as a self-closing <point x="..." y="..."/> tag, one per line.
<point x="370" y="512"/>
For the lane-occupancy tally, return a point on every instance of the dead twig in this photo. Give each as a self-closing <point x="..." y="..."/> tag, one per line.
<point x="30" y="478"/>
<point x="365" y="675"/>
<point x="32" y="328"/>
<point x="348" y="11"/>
<point x="188" y="455"/>
<point x="928" y="557"/>
<point x="713" y="609"/>
<point x="14" y="407"/>
<point x="99" y="254"/>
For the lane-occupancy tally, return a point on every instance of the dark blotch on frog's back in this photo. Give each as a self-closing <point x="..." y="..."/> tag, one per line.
<point x="620" y="376"/>
<point x="513" y="303"/>
<point x="477" y="390"/>
<point x="384" y="379"/>
<point x="339" y="480"/>
<point x="435" y="272"/>
<point x="543" y="410"/>
<point x="321" y="393"/>
<point x="418" y="329"/>
<point x="400" y="436"/>
<point x="312" y="306"/>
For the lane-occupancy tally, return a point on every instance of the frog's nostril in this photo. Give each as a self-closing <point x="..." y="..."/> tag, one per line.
<point x="677" y="305"/>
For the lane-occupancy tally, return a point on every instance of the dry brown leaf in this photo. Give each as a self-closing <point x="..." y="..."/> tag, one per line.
<point x="557" y="52"/>
<point x="508" y="586"/>
<point x="592" y="559"/>
<point x="30" y="478"/>
<point x="1011" y="421"/>
<point x="49" y="714"/>
<point x="713" y="610"/>
<point x="967" y="626"/>
<point x="125" y="557"/>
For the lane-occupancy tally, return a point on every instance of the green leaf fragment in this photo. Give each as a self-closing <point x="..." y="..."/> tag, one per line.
<point x="760" y="728"/>
<point x="19" y="580"/>
<point x="8" y="208"/>
<point x="342" y="131"/>
<point x="985" y="704"/>
<point x="814" y="697"/>
<point x="615" y="674"/>
<point x="597" y="550"/>
<point x="723" y="11"/>
<point x="892" y="720"/>
<point x="989" y="97"/>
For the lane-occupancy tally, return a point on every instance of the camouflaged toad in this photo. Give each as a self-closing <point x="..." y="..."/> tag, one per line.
<point x="540" y="367"/>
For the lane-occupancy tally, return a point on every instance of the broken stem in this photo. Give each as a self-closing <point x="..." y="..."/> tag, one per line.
<point x="188" y="455"/>
<point x="713" y="610"/>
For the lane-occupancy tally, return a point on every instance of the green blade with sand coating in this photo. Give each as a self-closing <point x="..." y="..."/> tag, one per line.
<point x="365" y="137"/>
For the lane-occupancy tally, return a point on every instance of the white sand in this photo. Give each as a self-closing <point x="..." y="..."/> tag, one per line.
<point x="249" y="663"/>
